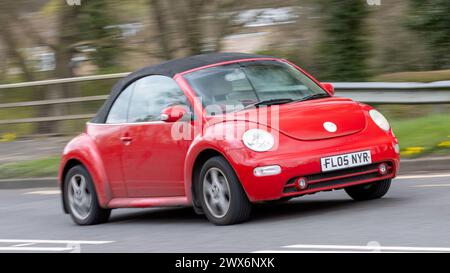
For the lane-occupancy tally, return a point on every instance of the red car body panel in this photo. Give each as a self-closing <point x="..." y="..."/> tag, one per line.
<point x="82" y="149"/>
<point x="139" y="165"/>
<point x="153" y="162"/>
<point x="345" y="112"/>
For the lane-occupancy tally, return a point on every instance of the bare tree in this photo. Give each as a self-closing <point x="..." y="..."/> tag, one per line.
<point x="9" y="17"/>
<point x="10" y="40"/>
<point x="159" y="14"/>
<point x="194" y="26"/>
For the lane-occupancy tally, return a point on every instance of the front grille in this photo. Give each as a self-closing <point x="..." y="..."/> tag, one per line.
<point x="335" y="178"/>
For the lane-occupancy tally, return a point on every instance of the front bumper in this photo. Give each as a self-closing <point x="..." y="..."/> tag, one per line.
<point x="340" y="179"/>
<point x="302" y="159"/>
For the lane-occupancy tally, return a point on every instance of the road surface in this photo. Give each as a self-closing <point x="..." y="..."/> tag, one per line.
<point x="414" y="216"/>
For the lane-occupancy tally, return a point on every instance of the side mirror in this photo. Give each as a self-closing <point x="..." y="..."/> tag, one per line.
<point x="173" y="113"/>
<point x="328" y="87"/>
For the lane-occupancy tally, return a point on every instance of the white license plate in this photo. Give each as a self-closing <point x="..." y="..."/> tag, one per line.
<point x="344" y="161"/>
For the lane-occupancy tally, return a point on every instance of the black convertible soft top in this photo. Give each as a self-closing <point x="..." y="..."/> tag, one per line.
<point x="169" y="69"/>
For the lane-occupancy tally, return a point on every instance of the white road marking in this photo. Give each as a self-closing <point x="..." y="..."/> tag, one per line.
<point x="49" y="192"/>
<point x="432" y="186"/>
<point x="26" y="244"/>
<point x="55" y="241"/>
<point x="300" y="251"/>
<point x="422" y="176"/>
<point x="353" y="248"/>
<point x="35" y="249"/>
<point x="68" y="245"/>
<point x="28" y="179"/>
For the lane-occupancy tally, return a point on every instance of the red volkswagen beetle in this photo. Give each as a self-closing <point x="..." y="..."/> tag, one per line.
<point x="220" y="132"/>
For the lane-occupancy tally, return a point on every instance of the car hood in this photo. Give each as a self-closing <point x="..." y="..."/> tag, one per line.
<point x="306" y="120"/>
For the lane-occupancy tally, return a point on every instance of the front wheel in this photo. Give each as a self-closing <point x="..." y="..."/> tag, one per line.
<point x="81" y="198"/>
<point x="222" y="198"/>
<point x="369" y="191"/>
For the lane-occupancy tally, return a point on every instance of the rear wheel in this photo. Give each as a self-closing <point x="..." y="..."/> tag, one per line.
<point x="81" y="198"/>
<point x="223" y="200"/>
<point x="369" y="191"/>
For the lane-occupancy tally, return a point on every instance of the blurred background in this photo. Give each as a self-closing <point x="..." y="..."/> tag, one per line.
<point x="348" y="42"/>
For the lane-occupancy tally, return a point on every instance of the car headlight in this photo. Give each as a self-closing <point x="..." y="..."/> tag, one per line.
<point x="258" y="140"/>
<point x="379" y="120"/>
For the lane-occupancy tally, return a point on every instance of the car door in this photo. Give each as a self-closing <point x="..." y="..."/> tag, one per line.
<point x="153" y="161"/>
<point x="109" y="142"/>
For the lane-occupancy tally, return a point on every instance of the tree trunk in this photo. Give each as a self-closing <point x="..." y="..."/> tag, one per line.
<point x="162" y="27"/>
<point x="12" y="48"/>
<point x="188" y="16"/>
<point x="63" y="67"/>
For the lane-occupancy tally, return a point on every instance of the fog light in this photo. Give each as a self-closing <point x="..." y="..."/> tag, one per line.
<point x="382" y="169"/>
<point x="267" y="170"/>
<point x="301" y="183"/>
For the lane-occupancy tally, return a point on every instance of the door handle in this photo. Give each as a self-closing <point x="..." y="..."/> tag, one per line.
<point x="126" y="139"/>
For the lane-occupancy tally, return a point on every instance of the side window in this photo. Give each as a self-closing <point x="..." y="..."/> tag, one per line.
<point x="151" y="95"/>
<point x="119" y="110"/>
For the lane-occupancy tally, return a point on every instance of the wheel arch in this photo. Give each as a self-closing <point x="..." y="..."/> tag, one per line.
<point x="83" y="151"/>
<point x="68" y="165"/>
<point x="202" y="149"/>
<point x="201" y="158"/>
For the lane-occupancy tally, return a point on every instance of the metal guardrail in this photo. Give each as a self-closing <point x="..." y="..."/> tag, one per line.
<point x="368" y="92"/>
<point x="66" y="80"/>
<point x="54" y="101"/>
<point x="396" y="93"/>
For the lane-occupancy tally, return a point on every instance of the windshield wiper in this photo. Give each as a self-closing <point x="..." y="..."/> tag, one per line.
<point x="313" y="97"/>
<point x="269" y="102"/>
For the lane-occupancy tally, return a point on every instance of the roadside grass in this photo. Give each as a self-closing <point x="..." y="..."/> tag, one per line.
<point x="423" y="135"/>
<point x="45" y="167"/>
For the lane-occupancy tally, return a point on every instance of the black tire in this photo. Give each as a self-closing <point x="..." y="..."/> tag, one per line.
<point x="371" y="191"/>
<point x="95" y="214"/>
<point x="239" y="206"/>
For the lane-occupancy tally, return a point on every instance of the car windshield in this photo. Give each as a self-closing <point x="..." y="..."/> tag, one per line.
<point x="238" y="86"/>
